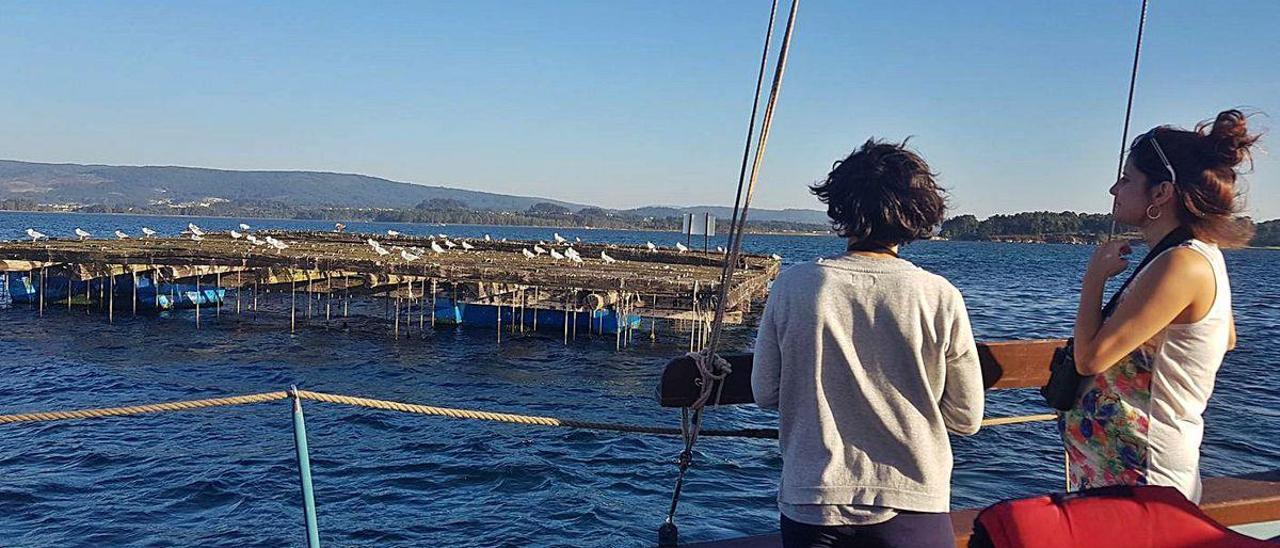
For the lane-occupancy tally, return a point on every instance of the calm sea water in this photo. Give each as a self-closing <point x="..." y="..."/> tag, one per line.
<point x="227" y="477"/>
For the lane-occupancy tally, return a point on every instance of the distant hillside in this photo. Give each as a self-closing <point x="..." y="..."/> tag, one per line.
<point x="128" y="185"/>
<point x="189" y="189"/>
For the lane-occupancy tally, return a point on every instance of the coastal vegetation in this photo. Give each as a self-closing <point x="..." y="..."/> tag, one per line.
<point x="1033" y="226"/>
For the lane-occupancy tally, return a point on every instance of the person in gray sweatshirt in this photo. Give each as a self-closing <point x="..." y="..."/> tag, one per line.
<point x="870" y="362"/>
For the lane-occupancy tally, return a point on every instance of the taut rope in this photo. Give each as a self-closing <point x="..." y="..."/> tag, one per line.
<point x="418" y="409"/>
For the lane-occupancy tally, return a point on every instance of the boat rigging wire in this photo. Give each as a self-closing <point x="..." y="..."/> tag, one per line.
<point x="713" y="369"/>
<point x="1128" y="110"/>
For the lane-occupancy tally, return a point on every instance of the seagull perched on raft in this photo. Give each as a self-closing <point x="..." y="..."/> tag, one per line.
<point x="196" y="237"/>
<point x="147" y="232"/>
<point x="392" y="233"/>
<point x="606" y="258"/>
<point x="36" y="235"/>
<point x="572" y="253"/>
<point x="527" y="254"/>
<point x="559" y="239"/>
<point x="466" y="246"/>
<point x="436" y="247"/>
<point x="681" y="247"/>
<point x="408" y="256"/>
<point x="82" y="234"/>
<point x="121" y="235"/>
<point x="487" y="238"/>
<point x="279" y="245"/>
<point x="556" y="255"/>
<point x="776" y="257"/>
<point x="449" y="244"/>
<point x="242" y="226"/>
<point x="195" y="229"/>
<point x="651" y="247"/>
<point x="538" y="249"/>
<point x="236" y="235"/>
<point x="253" y="239"/>
<point x="719" y="249"/>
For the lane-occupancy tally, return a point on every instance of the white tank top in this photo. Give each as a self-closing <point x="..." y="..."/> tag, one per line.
<point x="1184" y="362"/>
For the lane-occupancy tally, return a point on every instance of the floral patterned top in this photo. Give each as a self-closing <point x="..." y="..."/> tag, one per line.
<point x="1141" y="421"/>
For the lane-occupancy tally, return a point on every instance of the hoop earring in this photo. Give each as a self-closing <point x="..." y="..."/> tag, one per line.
<point x="1156" y="216"/>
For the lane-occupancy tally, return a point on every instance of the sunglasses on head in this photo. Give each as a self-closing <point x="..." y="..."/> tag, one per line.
<point x="1151" y="136"/>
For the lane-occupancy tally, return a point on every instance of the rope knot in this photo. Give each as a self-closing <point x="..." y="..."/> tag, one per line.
<point x="711" y="369"/>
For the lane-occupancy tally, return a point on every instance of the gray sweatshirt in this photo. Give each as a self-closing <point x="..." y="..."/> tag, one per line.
<point x="869" y="362"/>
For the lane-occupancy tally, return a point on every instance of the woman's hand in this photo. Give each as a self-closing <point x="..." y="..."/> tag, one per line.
<point x="1110" y="258"/>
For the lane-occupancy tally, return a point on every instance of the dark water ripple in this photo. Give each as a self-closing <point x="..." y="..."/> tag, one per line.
<point x="227" y="476"/>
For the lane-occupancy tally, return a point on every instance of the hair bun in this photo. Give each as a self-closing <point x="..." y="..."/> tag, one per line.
<point x="1229" y="139"/>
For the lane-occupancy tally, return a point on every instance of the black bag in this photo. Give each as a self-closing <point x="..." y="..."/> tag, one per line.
<point x="1064" y="381"/>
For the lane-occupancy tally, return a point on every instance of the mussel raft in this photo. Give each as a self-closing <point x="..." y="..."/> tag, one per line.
<point x="609" y="289"/>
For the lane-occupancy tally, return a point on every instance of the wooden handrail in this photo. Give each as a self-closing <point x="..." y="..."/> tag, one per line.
<point x="1005" y="364"/>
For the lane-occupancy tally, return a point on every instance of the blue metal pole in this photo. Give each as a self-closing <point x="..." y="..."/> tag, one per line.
<point x="304" y="471"/>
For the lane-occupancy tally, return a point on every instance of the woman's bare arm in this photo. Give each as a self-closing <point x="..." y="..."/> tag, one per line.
<point x="1170" y="285"/>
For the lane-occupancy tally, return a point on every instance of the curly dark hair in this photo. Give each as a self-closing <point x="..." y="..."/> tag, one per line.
<point x="881" y="195"/>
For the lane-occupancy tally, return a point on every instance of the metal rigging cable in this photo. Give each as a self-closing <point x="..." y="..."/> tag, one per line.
<point x="713" y="368"/>
<point x="1128" y="110"/>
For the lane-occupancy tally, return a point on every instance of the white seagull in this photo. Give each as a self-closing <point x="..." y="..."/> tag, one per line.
<point x="392" y="233"/>
<point x="408" y="256"/>
<point x="244" y="226"/>
<point x="36" y="235"/>
<point x="195" y="229"/>
<point x="253" y="239"/>
<point x="606" y="258"/>
<point x="527" y="254"/>
<point x="572" y="253"/>
<point x="436" y="247"/>
<point x="681" y="247"/>
<point x="279" y="245"/>
<point x="577" y="239"/>
<point x="196" y="237"/>
<point x="236" y="235"/>
<point x="538" y="249"/>
<point x="719" y="249"/>
<point x="487" y="238"/>
<point x="576" y="260"/>
<point x="381" y="250"/>
<point x="559" y="239"/>
<point x="776" y="257"/>
<point x="82" y="233"/>
<point x="147" y="232"/>
<point x="651" y="247"/>
<point x="556" y="255"/>
<point x="121" y="235"/>
<point x="467" y="246"/>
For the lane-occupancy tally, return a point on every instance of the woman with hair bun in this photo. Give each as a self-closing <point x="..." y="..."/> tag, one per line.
<point x="1153" y="353"/>
<point x="870" y="362"/>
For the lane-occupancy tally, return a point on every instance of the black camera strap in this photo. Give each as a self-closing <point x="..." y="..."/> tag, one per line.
<point x="1176" y="237"/>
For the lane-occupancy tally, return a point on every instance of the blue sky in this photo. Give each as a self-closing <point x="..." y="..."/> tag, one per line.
<point x="1018" y="105"/>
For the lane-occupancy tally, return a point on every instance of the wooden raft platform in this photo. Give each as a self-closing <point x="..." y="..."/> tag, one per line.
<point x="662" y="283"/>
